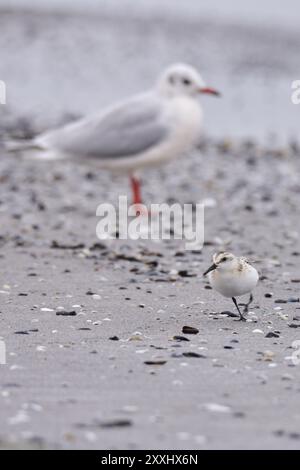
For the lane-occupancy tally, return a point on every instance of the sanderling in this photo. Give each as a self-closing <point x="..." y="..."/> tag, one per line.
<point x="147" y="129"/>
<point x="232" y="276"/>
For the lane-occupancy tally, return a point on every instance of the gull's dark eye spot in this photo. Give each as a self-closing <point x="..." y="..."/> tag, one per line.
<point x="186" y="81"/>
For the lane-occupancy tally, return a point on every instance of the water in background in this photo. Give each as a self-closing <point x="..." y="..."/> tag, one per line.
<point x="82" y="54"/>
<point x="275" y="12"/>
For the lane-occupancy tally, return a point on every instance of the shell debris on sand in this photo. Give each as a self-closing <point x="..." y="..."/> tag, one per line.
<point x="87" y="381"/>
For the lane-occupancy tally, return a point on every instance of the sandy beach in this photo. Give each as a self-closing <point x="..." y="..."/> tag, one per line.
<point x="96" y="354"/>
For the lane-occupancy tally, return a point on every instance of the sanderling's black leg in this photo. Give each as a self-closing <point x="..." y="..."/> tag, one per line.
<point x="246" y="306"/>
<point x="242" y="318"/>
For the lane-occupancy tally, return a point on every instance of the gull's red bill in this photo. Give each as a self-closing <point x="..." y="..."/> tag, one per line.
<point x="209" y="91"/>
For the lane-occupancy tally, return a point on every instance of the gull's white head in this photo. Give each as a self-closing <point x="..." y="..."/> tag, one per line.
<point x="223" y="261"/>
<point x="182" y="79"/>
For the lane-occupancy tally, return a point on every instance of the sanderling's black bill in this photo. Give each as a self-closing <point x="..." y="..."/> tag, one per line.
<point x="212" y="268"/>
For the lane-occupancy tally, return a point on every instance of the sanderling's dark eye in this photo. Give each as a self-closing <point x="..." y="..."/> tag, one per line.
<point x="186" y="81"/>
<point x="224" y="259"/>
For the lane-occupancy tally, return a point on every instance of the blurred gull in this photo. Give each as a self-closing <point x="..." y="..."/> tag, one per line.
<point x="145" y="130"/>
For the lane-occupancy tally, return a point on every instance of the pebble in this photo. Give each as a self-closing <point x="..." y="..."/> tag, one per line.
<point x="136" y="337"/>
<point x="180" y="338"/>
<point x="216" y="408"/>
<point x="286" y="377"/>
<point x="118" y="423"/>
<point x="190" y="330"/>
<point x="271" y="334"/>
<point x="63" y="313"/>
<point x="268" y="356"/>
<point x="155" y="363"/>
<point x="96" y="296"/>
<point x="229" y="314"/>
<point x="193" y="354"/>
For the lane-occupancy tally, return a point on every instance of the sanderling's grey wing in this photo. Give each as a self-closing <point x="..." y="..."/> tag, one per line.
<point x="125" y="130"/>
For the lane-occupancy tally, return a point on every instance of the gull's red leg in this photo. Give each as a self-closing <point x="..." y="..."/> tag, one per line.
<point x="136" y="190"/>
<point x="137" y="198"/>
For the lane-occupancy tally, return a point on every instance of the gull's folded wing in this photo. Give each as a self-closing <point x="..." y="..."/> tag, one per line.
<point x="125" y="130"/>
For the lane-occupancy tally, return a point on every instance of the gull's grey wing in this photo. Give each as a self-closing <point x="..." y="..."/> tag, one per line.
<point x="125" y="130"/>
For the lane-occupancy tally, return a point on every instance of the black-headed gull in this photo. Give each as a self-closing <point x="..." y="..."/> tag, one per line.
<point x="144" y="130"/>
<point x="232" y="276"/>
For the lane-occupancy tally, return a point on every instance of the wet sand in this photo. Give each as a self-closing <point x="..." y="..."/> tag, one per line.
<point x="89" y="327"/>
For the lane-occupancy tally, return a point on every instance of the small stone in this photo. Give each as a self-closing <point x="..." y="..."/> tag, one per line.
<point x="294" y="435"/>
<point x="136" y="337"/>
<point x="216" y="408"/>
<point x="271" y="334"/>
<point x="114" y="338"/>
<point x="185" y="273"/>
<point x="268" y="356"/>
<point x="64" y="313"/>
<point x="193" y="354"/>
<point x="190" y="330"/>
<point x="96" y="296"/>
<point x="119" y="423"/>
<point x="155" y="363"/>
<point x="239" y="414"/>
<point x="287" y="377"/>
<point x="180" y="338"/>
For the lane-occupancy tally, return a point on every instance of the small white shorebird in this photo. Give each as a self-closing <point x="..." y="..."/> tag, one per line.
<point x="144" y="130"/>
<point x="232" y="277"/>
